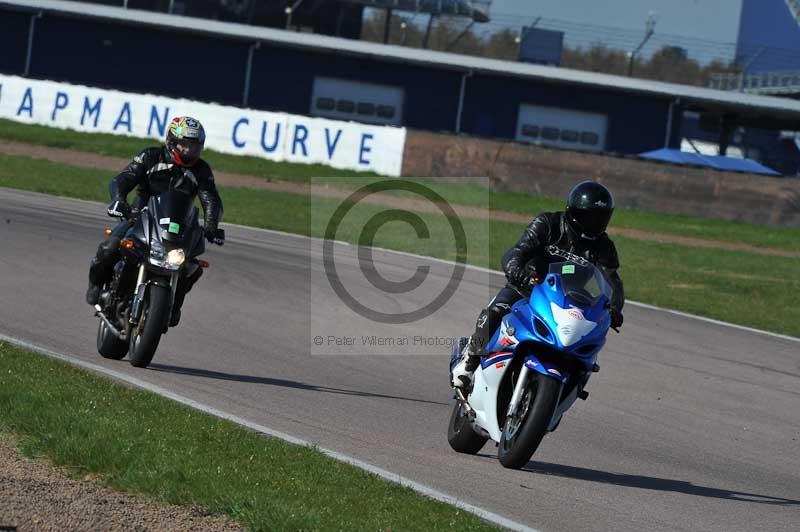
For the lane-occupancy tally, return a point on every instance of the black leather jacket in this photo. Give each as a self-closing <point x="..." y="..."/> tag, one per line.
<point x="551" y="228"/>
<point x="153" y="172"/>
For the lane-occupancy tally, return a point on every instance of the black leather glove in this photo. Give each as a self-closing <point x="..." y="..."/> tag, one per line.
<point x="516" y="276"/>
<point x="119" y="209"/>
<point x="215" y="235"/>
<point x="528" y="276"/>
<point x="529" y="280"/>
<point x="616" y="319"/>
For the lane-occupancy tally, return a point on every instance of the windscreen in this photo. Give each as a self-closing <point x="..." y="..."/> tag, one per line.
<point x="176" y="206"/>
<point x="581" y="282"/>
<point x="174" y="213"/>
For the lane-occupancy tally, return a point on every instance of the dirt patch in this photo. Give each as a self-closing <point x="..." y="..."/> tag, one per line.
<point x="35" y="496"/>
<point x="115" y="164"/>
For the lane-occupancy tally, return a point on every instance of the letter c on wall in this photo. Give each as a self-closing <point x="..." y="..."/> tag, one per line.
<point x="235" y="140"/>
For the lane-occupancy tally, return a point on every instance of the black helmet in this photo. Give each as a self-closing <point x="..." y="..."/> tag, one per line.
<point x="589" y="209"/>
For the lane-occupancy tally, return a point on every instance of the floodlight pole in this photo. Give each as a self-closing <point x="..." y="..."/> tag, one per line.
<point x="650" y="27"/>
<point x="289" y="10"/>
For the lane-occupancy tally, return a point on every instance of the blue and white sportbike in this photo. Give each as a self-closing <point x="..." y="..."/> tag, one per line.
<point x="537" y="363"/>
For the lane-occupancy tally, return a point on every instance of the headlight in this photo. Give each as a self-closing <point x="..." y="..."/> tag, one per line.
<point x="175" y="258"/>
<point x="171" y="260"/>
<point x="156" y="251"/>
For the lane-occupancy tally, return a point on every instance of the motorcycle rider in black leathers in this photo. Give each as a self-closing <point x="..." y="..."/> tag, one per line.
<point x="175" y="166"/>
<point x="580" y="229"/>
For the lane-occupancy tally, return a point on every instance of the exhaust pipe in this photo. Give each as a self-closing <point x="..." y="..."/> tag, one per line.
<point x="122" y="336"/>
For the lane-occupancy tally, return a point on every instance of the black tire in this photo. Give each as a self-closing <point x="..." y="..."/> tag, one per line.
<point x="108" y="345"/>
<point x="460" y="434"/>
<point x="515" y="450"/>
<point x="154" y="315"/>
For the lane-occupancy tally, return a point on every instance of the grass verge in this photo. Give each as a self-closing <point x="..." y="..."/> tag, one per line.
<point x="733" y="286"/>
<point x="142" y="443"/>
<point x="465" y="194"/>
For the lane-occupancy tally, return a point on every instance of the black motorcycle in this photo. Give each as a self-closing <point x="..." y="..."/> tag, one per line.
<point x="161" y="245"/>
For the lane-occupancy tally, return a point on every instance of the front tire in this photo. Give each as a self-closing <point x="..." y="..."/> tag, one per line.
<point x="146" y="335"/>
<point x="109" y="345"/>
<point x="521" y="437"/>
<point x="460" y="434"/>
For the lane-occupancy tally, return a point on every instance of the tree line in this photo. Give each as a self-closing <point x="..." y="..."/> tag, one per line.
<point x="452" y="34"/>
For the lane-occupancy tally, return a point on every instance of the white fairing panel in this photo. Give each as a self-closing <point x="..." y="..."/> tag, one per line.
<point x="483" y="398"/>
<point x="572" y="325"/>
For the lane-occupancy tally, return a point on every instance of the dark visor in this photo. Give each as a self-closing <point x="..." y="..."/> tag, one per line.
<point x="592" y="221"/>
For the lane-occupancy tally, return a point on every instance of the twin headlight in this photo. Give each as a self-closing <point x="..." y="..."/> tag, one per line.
<point x="171" y="260"/>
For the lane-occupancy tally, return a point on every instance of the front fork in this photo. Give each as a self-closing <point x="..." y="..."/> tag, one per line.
<point x="519" y="389"/>
<point x="138" y="297"/>
<point x="173" y="287"/>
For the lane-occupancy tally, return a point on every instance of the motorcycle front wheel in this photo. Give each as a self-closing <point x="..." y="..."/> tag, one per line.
<point x="523" y="431"/>
<point x="147" y="333"/>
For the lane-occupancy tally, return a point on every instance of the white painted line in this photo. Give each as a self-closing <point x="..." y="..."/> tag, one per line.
<point x="383" y="473"/>
<point x="715" y="322"/>
<point x="476" y="268"/>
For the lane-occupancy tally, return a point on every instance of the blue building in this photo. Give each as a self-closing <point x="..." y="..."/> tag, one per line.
<point x="769" y="36"/>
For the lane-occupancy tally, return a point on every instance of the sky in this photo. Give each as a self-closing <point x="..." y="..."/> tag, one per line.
<point x="713" y="20"/>
<point x="716" y="20"/>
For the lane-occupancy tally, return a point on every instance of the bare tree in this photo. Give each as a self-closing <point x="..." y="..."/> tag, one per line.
<point x="453" y="34"/>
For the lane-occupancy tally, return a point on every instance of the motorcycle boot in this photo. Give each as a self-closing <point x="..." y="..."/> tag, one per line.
<point x="102" y="267"/>
<point x="185" y="284"/>
<point x="466" y="366"/>
<point x="92" y="294"/>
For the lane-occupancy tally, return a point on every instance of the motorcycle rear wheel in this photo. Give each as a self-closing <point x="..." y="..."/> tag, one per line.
<point x="109" y="345"/>
<point x="145" y="336"/>
<point x="521" y="437"/>
<point x="460" y="434"/>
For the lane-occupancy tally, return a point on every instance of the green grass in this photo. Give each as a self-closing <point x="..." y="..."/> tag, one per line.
<point x="743" y="288"/>
<point x="738" y="287"/>
<point x="669" y="224"/>
<point x="465" y="194"/>
<point x="140" y="442"/>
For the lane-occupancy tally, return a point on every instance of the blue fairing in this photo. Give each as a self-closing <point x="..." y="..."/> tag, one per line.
<point x="580" y="335"/>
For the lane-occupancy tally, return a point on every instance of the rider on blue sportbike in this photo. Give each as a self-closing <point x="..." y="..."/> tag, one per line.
<point x="580" y="230"/>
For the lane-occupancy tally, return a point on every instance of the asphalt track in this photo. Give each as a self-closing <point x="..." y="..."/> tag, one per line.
<point x="689" y="425"/>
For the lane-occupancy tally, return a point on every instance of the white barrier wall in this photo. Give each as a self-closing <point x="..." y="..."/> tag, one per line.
<point x="275" y="136"/>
